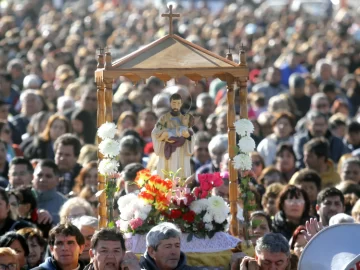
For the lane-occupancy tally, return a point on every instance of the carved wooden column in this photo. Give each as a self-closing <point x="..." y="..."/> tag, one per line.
<point x="101" y="178"/>
<point x="233" y="186"/>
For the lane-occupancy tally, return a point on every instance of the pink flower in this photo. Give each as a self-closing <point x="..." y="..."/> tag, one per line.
<point x="206" y="185"/>
<point x="135" y="223"/>
<point x="118" y="223"/>
<point x="197" y="192"/>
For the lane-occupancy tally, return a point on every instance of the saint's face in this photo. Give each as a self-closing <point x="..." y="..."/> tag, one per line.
<point x="175" y="106"/>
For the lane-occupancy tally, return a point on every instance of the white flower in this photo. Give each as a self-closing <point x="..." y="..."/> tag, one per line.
<point x="242" y="162"/>
<point x="109" y="148"/>
<point x="199" y="205"/>
<point x="218" y="208"/>
<point x="108" y="167"/>
<point x="107" y="131"/>
<point x="209" y="226"/>
<point x="244" y="127"/>
<point x="124" y="225"/>
<point x="219" y="218"/>
<point x="207" y="218"/>
<point x="124" y="201"/>
<point x="246" y="144"/>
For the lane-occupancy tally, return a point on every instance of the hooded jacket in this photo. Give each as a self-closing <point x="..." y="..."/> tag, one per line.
<point x="147" y="263"/>
<point x="281" y="225"/>
<point x="50" y="264"/>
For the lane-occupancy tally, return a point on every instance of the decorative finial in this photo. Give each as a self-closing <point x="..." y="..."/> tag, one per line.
<point x="229" y="54"/>
<point x="170" y="15"/>
<point x="101" y="50"/>
<point x="107" y="49"/>
<point x="242" y="55"/>
<point x="242" y="48"/>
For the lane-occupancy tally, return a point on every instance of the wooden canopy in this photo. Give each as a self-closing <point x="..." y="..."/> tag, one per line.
<point x="172" y="57"/>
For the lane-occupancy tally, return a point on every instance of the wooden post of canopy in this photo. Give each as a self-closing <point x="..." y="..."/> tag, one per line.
<point x="101" y="120"/>
<point x="231" y="149"/>
<point x="242" y="83"/>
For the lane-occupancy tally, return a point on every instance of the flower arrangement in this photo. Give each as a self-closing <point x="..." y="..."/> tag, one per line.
<point x="195" y="212"/>
<point x="108" y="167"/>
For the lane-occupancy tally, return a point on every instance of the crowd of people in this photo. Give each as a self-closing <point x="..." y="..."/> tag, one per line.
<point x="304" y="97"/>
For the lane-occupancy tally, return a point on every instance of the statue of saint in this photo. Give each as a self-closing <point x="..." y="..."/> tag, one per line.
<point x="173" y="140"/>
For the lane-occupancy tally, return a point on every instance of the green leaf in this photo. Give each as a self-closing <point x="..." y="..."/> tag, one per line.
<point x="111" y="224"/>
<point x="190" y="237"/>
<point x="250" y="195"/>
<point x="237" y="150"/>
<point x="245" y="181"/>
<point x="255" y="223"/>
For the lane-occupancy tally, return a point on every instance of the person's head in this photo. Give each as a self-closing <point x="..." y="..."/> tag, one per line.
<point x="74" y="208"/>
<point x="330" y="202"/>
<point x="317" y="123"/>
<point x="130" y="150"/>
<point x="341" y="218"/>
<point x="36" y="243"/>
<point x="296" y="85"/>
<point x="340" y="106"/>
<point x="268" y="200"/>
<point x="27" y="201"/>
<point x="5" y="81"/>
<point x="88" y="153"/>
<point x="316" y="153"/>
<point x="285" y="158"/>
<point x="4" y="110"/>
<point x="337" y="125"/>
<point x="4" y="205"/>
<point x="30" y="102"/>
<point x="350" y="169"/>
<point x="298" y="241"/>
<point x="272" y="252"/>
<point x="56" y="126"/>
<point x="20" y="172"/>
<point x="329" y="89"/>
<point x="221" y="123"/>
<point x="89" y="99"/>
<point x="217" y="148"/>
<point x="83" y="126"/>
<point x="258" y="163"/>
<point x="353" y="133"/>
<point x="64" y="103"/>
<point x="129" y="175"/>
<point x="46" y="176"/>
<point x="5" y="131"/>
<point x="222" y="191"/>
<point x="163" y="245"/>
<point x="355" y="212"/>
<point x="283" y="124"/>
<point x="205" y="104"/>
<point x="320" y="103"/>
<point x="67" y="149"/>
<point x="201" y="150"/>
<point x="147" y="120"/>
<point x="260" y="225"/>
<point x="270" y="175"/>
<point x="88" y="175"/>
<point x="294" y="202"/>
<point x="18" y="243"/>
<point x="87" y="226"/>
<point x="107" y="249"/>
<point x="9" y="258"/>
<point x="273" y="76"/>
<point x="3" y="147"/>
<point x="127" y="120"/>
<point x="310" y="181"/>
<point x="66" y="243"/>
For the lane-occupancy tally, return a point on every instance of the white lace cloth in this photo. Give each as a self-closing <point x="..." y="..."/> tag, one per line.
<point x="219" y="242"/>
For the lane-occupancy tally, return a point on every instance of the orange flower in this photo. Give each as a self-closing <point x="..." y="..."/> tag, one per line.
<point x="142" y="177"/>
<point x="147" y="197"/>
<point x="161" y="202"/>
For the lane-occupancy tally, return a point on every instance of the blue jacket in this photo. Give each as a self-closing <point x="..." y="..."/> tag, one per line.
<point x="50" y="264"/>
<point x="337" y="147"/>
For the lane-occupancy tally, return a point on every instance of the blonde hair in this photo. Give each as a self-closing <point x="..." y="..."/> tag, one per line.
<point x="72" y="203"/>
<point x="6" y="251"/>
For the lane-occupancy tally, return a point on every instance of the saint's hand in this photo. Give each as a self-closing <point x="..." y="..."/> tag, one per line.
<point x="249" y="264"/>
<point x="185" y="134"/>
<point x="130" y="262"/>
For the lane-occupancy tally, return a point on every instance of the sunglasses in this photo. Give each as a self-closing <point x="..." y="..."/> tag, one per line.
<point x="257" y="163"/>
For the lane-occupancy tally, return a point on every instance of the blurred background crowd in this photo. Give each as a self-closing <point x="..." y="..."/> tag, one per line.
<point x="304" y="97"/>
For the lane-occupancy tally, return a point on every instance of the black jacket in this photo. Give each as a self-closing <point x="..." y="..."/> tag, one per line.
<point x="50" y="264"/>
<point x="38" y="148"/>
<point x="147" y="263"/>
<point x="280" y="225"/>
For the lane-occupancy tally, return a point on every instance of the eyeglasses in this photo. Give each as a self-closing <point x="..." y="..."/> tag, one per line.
<point x="10" y="266"/>
<point x="295" y="201"/>
<point x="257" y="163"/>
<point x="324" y="105"/>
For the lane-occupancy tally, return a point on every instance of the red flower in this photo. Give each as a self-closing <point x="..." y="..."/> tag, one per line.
<point x="190" y="198"/>
<point x="197" y="191"/>
<point x="217" y="181"/>
<point x="204" y="194"/>
<point x="175" y="213"/>
<point x="189" y="216"/>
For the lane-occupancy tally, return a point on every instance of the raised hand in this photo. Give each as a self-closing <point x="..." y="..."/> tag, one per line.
<point x="249" y="263"/>
<point x="312" y="228"/>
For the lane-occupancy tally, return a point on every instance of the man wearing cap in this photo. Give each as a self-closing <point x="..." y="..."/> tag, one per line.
<point x="297" y="93"/>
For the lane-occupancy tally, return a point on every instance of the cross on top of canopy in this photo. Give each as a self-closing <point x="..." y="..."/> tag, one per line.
<point x="170" y="57"/>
